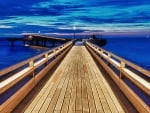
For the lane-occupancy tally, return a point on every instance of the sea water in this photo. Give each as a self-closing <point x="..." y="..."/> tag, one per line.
<point x="12" y="55"/>
<point x="136" y="50"/>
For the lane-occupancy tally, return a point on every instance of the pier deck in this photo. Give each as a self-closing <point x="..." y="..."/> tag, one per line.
<point x="77" y="86"/>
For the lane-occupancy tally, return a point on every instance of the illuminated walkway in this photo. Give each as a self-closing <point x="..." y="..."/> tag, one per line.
<point x="77" y="86"/>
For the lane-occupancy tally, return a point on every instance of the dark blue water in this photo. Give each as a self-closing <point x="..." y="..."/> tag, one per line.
<point x="12" y="55"/>
<point x="136" y="50"/>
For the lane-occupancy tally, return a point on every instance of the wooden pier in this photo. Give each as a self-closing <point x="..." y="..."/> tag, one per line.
<point x="37" y="40"/>
<point x="77" y="85"/>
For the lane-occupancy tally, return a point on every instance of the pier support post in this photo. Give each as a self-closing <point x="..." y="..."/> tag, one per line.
<point x="31" y="64"/>
<point x="53" y="43"/>
<point x="46" y="56"/>
<point x="108" y="59"/>
<point x="122" y="65"/>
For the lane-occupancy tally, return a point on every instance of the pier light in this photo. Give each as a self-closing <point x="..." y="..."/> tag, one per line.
<point x="74" y="28"/>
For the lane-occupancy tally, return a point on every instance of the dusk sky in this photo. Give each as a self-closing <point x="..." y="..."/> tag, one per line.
<point x="59" y="16"/>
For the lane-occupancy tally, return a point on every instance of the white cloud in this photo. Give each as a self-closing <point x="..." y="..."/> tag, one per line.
<point x="5" y="26"/>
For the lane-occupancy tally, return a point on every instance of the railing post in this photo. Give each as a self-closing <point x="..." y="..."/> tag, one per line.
<point x="54" y="52"/>
<point x="122" y="65"/>
<point x="59" y="48"/>
<point x="31" y="64"/>
<point x="108" y="59"/>
<point x="101" y="53"/>
<point x="46" y="56"/>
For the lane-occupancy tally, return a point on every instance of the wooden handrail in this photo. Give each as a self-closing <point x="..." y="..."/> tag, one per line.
<point x="145" y="88"/>
<point x="13" y="67"/>
<point x="140" y="69"/>
<point x="31" y="65"/>
<point x="106" y="59"/>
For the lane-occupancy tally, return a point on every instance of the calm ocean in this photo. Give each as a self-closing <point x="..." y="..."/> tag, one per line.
<point x="136" y="50"/>
<point x="12" y="55"/>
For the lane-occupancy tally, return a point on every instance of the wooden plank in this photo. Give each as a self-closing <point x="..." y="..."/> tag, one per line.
<point x="102" y="97"/>
<point x="54" y="94"/>
<point x="66" y="102"/>
<point x="65" y="106"/>
<point x="110" y="97"/>
<point x="96" y="95"/>
<point x="84" y="76"/>
<point x="11" y="103"/>
<point x="57" y="111"/>
<point x="34" y="106"/>
<point x="133" y="98"/>
<point x="107" y="93"/>
<point x="90" y="97"/>
<point x="72" y="99"/>
<point x="51" y="107"/>
<point x="104" y="94"/>
<point x="85" y="101"/>
<point x="77" y="87"/>
<point x="48" y="85"/>
<point x="73" y="88"/>
<point x="92" y="105"/>
<point x="43" y="98"/>
<point x="78" y="84"/>
<point x="63" y="90"/>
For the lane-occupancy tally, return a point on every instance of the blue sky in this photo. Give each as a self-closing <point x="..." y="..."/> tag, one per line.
<point x="59" y="16"/>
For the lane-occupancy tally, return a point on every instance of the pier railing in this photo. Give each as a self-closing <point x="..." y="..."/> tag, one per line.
<point x="18" y="80"/>
<point x="132" y="80"/>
